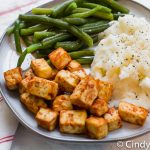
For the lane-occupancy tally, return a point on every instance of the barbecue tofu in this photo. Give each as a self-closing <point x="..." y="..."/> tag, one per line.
<point x="62" y="102"/>
<point x="113" y="119"/>
<point x="43" y="88"/>
<point x="85" y="93"/>
<point x="47" y="118"/>
<point x="105" y="91"/>
<point x="99" y="107"/>
<point x="41" y="68"/>
<point x="131" y="113"/>
<point x="59" y="58"/>
<point x="66" y="80"/>
<point x="33" y="103"/>
<point x="72" y="121"/>
<point x="96" y="127"/>
<point x="13" y="77"/>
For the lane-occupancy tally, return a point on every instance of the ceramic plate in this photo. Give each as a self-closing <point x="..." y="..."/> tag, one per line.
<point x="8" y="60"/>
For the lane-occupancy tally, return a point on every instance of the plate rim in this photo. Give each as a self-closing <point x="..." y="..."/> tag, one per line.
<point x="87" y="141"/>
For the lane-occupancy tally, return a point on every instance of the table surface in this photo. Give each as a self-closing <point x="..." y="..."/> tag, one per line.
<point x="27" y="140"/>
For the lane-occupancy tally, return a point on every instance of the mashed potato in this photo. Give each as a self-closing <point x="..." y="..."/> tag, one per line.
<point x="123" y="58"/>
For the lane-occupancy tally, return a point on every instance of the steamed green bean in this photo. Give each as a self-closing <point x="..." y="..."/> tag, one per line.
<point x="21" y="58"/>
<point x="85" y="14"/>
<point x="85" y="61"/>
<point x="42" y="11"/>
<point x="70" y="8"/>
<point x="92" y="5"/>
<point x="17" y="37"/>
<point x="81" y="53"/>
<point x="43" y="34"/>
<point x="59" y="10"/>
<point x="31" y="30"/>
<point x="70" y="45"/>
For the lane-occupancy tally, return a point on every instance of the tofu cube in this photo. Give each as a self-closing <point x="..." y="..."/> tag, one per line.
<point x="99" y="107"/>
<point x="76" y="69"/>
<point x="59" y="58"/>
<point x="85" y="93"/>
<point x="33" y="103"/>
<point x="72" y="121"/>
<point x="29" y="73"/>
<point x="43" y="88"/>
<point x="62" y="102"/>
<point x="23" y="85"/>
<point x="96" y="127"/>
<point x="41" y="68"/>
<point x="13" y="77"/>
<point x="113" y="119"/>
<point x="47" y="118"/>
<point x="81" y="74"/>
<point x="66" y="80"/>
<point x="105" y="91"/>
<point x="74" y="66"/>
<point x="131" y="113"/>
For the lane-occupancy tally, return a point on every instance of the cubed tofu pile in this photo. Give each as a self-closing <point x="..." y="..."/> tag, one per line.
<point x="78" y="102"/>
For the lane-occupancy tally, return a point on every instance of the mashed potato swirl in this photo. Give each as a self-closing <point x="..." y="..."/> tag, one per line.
<point x="123" y="58"/>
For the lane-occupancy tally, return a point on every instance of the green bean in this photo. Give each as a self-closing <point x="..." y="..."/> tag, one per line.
<point x="26" y="40"/>
<point x="76" y="21"/>
<point x="43" y="34"/>
<point x="17" y="37"/>
<point x="60" y="24"/>
<point x="79" y="2"/>
<point x="34" y="47"/>
<point x="51" y="41"/>
<point x="80" y="10"/>
<point x="70" y="8"/>
<point x="92" y="24"/>
<point x="99" y="14"/>
<point x="116" y="16"/>
<point x="85" y="61"/>
<point x="103" y="15"/>
<point x="42" y="11"/>
<point x="21" y="58"/>
<point x="116" y="6"/>
<point x="92" y="5"/>
<point x="70" y="45"/>
<point x="95" y="29"/>
<point x="98" y="2"/>
<point x="44" y="20"/>
<point x="31" y="30"/>
<point x="81" y="35"/>
<point x="81" y="53"/>
<point x="58" y="11"/>
<point x="79" y="21"/>
<point x="85" y="14"/>
<point x="10" y="30"/>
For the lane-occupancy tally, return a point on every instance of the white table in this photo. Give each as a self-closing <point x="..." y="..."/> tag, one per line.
<point x="27" y="140"/>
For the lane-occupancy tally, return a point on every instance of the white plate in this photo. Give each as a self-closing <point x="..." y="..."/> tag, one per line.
<point x="8" y="60"/>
